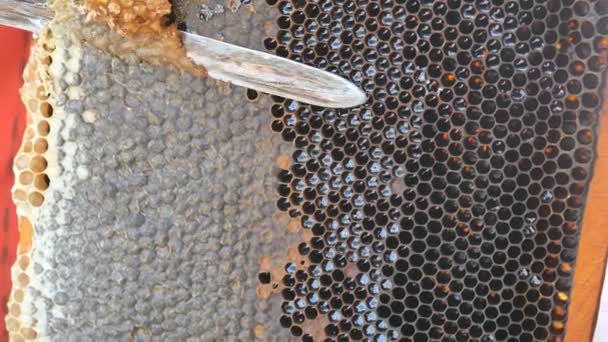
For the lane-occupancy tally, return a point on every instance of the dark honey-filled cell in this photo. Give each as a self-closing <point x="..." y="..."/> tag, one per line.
<point x="448" y="207"/>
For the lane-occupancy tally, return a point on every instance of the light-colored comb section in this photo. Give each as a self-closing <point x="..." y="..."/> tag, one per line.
<point x="156" y="200"/>
<point x="32" y="166"/>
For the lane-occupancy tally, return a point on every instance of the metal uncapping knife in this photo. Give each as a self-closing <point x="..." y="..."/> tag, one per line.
<point x="227" y="62"/>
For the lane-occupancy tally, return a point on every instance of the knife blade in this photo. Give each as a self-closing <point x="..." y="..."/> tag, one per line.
<point x="231" y="63"/>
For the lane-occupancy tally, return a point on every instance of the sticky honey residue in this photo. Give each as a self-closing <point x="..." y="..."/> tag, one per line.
<point x="283" y="162"/>
<point x="25" y="235"/>
<point x="142" y="27"/>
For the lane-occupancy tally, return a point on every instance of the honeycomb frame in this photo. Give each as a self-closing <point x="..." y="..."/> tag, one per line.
<point x="449" y="207"/>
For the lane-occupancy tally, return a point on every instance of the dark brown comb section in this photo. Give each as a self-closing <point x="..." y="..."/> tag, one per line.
<point x="449" y="207"/>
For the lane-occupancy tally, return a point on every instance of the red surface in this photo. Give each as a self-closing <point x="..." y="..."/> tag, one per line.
<point x="15" y="49"/>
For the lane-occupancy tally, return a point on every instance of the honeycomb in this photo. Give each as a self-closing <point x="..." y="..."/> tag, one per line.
<point x="447" y="208"/>
<point x="146" y="200"/>
<point x="31" y="168"/>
